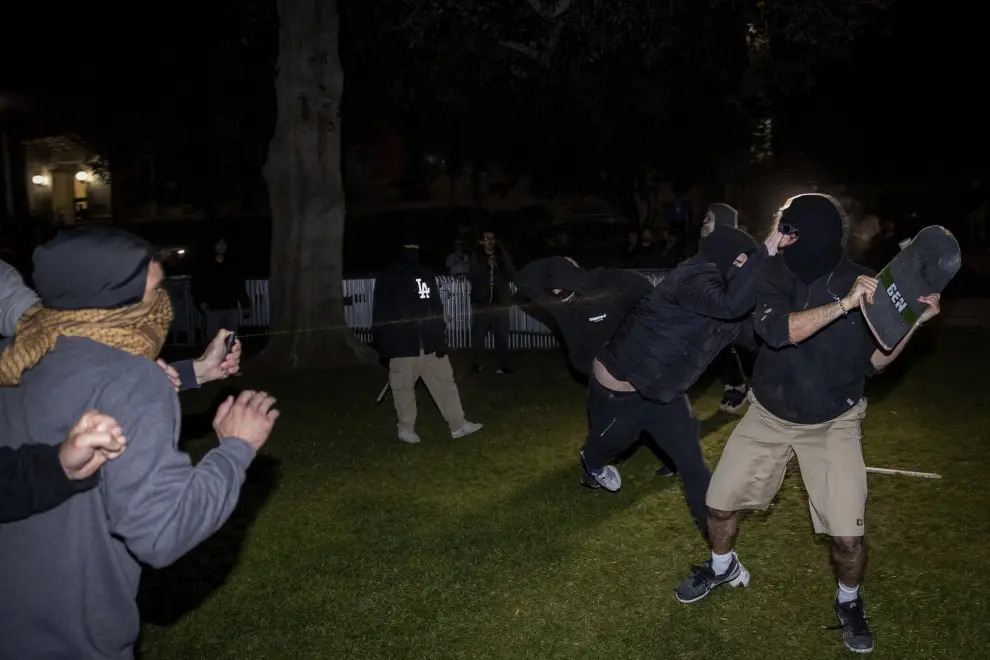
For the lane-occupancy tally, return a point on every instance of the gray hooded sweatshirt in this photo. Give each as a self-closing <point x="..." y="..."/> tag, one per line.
<point x="15" y="298"/>
<point x="69" y="577"/>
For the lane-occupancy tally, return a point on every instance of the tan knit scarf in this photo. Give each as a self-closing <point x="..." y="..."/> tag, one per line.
<point x="138" y="329"/>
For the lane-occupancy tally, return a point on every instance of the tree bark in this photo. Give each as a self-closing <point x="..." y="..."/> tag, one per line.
<point x="306" y="194"/>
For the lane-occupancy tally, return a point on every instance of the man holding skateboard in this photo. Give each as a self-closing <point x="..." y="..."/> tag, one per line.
<point x="807" y="399"/>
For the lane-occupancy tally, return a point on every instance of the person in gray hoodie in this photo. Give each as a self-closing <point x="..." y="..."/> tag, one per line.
<point x="38" y="477"/>
<point x="70" y="575"/>
<point x="15" y="299"/>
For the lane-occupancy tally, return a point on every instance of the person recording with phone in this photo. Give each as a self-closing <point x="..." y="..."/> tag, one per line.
<point x="491" y="276"/>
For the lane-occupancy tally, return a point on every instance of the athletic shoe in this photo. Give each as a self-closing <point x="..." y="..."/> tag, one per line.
<point x="409" y="437"/>
<point x="476" y="368"/>
<point x="467" y="429"/>
<point x="589" y="481"/>
<point x="703" y="580"/>
<point x="855" y="630"/>
<point x="733" y="400"/>
<point x="664" y="471"/>
<point x="505" y="370"/>
<point x="608" y="477"/>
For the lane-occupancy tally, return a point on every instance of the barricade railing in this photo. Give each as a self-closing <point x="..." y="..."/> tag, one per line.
<point x="525" y="331"/>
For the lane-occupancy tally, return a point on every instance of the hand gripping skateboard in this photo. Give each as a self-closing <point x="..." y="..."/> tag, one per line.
<point x="925" y="266"/>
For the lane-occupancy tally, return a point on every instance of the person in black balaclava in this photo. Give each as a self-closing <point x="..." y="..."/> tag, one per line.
<point x="641" y="376"/>
<point x="820" y="224"/>
<point x="409" y="331"/>
<point x="730" y="363"/>
<point x="807" y="399"/>
<point x="586" y="305"/>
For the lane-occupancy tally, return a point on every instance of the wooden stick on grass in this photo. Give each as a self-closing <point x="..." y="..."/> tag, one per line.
<point x="906" y="473"/>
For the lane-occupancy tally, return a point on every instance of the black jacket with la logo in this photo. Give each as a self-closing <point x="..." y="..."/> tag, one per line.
<point x="408" y="312"/>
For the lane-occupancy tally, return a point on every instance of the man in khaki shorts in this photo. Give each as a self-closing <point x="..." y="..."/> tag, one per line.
<point x="807" y="400"/>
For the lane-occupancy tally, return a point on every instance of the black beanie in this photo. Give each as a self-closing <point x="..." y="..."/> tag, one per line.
<point x="410" y="238"/>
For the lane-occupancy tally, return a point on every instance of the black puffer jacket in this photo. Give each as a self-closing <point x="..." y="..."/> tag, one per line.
<point x="408" y="312"/>
<point x="671" y="336"/>
<point x="590" y="307"/>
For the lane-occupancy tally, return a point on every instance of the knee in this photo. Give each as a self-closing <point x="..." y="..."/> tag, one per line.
<point x="722" y="516"/>
<point x="848" y="545"/>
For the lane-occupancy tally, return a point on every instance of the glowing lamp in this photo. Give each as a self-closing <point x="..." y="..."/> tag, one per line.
<point x="82" y="176"/>
<point x="39" y="180"/>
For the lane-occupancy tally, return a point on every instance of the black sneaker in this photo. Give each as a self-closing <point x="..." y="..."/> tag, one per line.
<point x="588" y="481"/>
<point x="664" y="471"/>
<point x="703" y="580"/>
<point x="504" y="370"/>
<point x="476" y="368"/>
<point x="733" y="400"/>
<point x="852" y="622"/>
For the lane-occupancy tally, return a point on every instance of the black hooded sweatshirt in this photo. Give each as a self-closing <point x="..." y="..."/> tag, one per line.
<point x="822" y="377"/>
<point x="408" y="311"/>
<point x="669" y="338"/>
<point x="590" y="306"/>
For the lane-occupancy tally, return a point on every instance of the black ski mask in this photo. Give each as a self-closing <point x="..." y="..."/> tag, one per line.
<point x="724" y="245"/>
<point x="819" y="221"/>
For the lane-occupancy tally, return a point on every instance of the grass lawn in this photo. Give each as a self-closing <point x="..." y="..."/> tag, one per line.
<point x="350" y="544"/>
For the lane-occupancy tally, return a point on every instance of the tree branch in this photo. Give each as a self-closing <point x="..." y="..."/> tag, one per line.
<point x="559" y="8"/>
<point x="552" y="43"/>
<point x="528" y="51"/>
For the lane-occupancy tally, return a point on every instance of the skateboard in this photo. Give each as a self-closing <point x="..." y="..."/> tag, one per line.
<point x="924" y="266"/>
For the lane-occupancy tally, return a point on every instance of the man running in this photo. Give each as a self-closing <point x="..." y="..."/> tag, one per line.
<point x="807" y="399"/>
<point x="586" y="305"/>
<point x="640" y="377"/>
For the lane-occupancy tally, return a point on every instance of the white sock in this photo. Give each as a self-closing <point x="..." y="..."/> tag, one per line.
<point x="847" y="594"/>
<point x="720" y="563"/>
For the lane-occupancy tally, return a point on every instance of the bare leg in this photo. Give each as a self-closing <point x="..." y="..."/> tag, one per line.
<point x="723" y="526"/>
<point x="849" y="557"/>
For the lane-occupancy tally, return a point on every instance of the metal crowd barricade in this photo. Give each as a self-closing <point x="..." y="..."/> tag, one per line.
<point x="525" y="331"/>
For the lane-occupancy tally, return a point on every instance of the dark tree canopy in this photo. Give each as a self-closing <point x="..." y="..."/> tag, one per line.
<point x="613" y="85"/>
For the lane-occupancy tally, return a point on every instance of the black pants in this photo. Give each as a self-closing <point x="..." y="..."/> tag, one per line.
<point x="495" y="319"/>
<point x="615" y="420"/>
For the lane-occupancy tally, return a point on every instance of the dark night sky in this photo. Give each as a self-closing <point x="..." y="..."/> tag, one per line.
<point x="912" y="95"/>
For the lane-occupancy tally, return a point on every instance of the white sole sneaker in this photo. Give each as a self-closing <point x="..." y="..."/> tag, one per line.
<point x="409" y="438"/>
<point x="609" y="479"/>
<point x="466" y="430"/>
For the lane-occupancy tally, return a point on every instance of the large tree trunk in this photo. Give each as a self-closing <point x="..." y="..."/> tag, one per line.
<point x="306" y="193"/>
